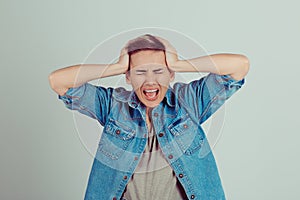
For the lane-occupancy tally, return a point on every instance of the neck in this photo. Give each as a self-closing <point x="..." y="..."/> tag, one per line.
<point x="148" y="119"/>
<point x="148" y="110"/>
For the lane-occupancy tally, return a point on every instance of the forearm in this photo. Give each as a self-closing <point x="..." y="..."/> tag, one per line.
<point x="235" y="65"/>
<point x="74" y="76"/>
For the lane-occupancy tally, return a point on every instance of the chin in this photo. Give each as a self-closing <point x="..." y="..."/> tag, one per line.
<point x="151" y="104"/>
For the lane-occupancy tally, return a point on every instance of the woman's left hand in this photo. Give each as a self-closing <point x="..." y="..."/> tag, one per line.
<point x="171" y="53"/>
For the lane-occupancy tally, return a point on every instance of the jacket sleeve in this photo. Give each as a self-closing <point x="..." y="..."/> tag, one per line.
<point x="208" y="94"/>
<point x="93" y="101"/>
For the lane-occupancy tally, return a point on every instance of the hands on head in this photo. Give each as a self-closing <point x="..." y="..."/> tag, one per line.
<point x="170" y="52"/>
<point x="124" y="59"/>
<point x="170" y="55"/>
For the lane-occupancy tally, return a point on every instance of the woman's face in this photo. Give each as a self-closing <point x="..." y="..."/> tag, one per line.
<point x="149" y="76"/>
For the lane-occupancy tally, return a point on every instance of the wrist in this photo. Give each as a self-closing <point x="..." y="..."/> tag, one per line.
<point x="120" y="68"/>
<point x="113" y="70"/>
<point x="178" y="66"/>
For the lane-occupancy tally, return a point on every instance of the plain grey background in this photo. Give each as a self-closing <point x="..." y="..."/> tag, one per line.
<point x="42" y="156"/>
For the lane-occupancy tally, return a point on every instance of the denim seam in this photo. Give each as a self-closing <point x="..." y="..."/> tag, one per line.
<point x="187" y="180"/>
<point x="210" y="103"/>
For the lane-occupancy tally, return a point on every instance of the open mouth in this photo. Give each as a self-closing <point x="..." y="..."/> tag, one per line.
<point x="151" y="94"/>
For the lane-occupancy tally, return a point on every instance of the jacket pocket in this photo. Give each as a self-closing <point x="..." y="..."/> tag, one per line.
<point x="186" y="134"/>
<point x="115" y="139"/>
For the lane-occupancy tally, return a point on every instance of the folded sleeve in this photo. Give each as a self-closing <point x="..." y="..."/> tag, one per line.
<point x="208" y="94"/>
<point x="93" y="101"/>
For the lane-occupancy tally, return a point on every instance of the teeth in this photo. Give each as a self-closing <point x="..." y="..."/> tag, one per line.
<point x="151" y="90"/>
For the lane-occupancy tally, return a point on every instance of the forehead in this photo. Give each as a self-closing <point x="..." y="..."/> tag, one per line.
<point x="145" y="57"/>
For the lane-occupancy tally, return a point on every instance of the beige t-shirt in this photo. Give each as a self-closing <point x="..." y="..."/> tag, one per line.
<point x="154" y="178"/>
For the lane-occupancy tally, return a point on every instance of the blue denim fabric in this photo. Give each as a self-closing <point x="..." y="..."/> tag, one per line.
<point x="178" y="118"/>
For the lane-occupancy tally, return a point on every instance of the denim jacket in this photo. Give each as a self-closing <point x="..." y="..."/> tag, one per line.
<point x="177" y="121"/>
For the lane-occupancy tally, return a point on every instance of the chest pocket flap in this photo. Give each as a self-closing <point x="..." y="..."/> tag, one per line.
<point x="115" y="139"/>
<point x="187" y="134"/>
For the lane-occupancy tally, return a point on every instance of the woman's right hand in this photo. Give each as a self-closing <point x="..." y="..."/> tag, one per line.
<point x="124" y="60"/>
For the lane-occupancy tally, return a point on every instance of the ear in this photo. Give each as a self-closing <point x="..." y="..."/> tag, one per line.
<point x="128" y="78"/>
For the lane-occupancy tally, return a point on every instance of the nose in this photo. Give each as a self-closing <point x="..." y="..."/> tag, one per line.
<point x="150" y="78"/>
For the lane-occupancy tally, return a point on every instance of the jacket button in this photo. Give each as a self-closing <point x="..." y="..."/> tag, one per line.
<point x="115" y="198"/>
<point x="125" y="177"/>
<point x="185" y="126"/>
<point x="136" y="158"/>
<point x="180" y="175"/>
<point x="118" y="132"/>
<point x="161" y="134"/>
<point x="170" y="156"/>
<point x="155" y="114"/>
<point x="192" y="196"/>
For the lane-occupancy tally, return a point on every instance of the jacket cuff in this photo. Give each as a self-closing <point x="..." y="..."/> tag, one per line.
<point x="228" y="81"/>
<point x="72" y="94"/>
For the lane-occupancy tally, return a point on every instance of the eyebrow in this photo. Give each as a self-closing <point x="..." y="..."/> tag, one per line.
<point x="157" y="70"/>
<point x="140" y="70"/>
<point x="144" y="70"/>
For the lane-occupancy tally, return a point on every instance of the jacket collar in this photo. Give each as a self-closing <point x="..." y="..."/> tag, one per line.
<point x="125" y="96"/>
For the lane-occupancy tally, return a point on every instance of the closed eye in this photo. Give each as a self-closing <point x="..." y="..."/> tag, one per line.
<point x="140" y="72"/>
<point x="158" y="71"/>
